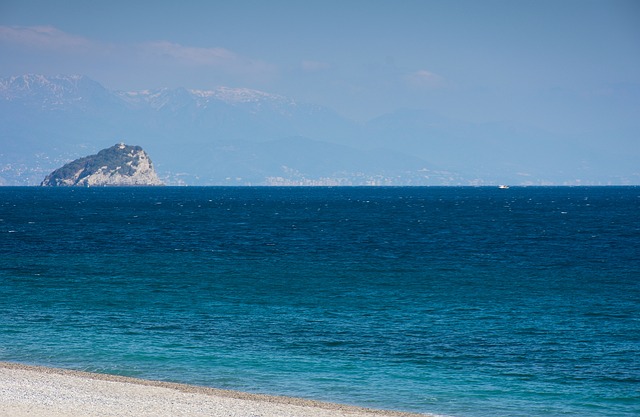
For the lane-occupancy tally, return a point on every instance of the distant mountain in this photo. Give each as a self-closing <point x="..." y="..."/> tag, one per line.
<point x="239" y="136"/>
<point x="202" y="137"/>
<point x="119" y="165"/>
<point x="53" y="93"/>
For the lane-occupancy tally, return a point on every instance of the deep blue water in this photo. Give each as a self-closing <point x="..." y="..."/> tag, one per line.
<point x="465" y="302"/>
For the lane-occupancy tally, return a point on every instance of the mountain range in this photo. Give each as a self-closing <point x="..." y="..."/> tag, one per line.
<point x="240" y="136"/>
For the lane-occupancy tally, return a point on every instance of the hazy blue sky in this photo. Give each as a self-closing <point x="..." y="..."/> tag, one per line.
<point x="564" y="65"/>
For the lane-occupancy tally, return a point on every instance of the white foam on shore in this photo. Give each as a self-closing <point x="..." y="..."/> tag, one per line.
<point x="36" y="391"/>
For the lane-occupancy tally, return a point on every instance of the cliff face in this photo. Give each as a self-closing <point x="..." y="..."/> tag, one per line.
<point x="119" y="165"/>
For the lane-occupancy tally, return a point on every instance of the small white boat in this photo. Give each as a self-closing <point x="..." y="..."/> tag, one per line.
<point x="503" y="187"/>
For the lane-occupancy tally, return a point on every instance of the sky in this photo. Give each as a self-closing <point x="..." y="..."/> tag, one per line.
<point x="568" y="66"/>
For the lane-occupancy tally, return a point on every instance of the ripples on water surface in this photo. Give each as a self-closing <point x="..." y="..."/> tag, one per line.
<point x="460" y="301"/>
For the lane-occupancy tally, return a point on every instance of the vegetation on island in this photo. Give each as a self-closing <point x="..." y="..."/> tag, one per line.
<point x="118" y="159"/>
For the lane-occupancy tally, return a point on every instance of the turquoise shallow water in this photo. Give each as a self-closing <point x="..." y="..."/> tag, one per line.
<point x="465" y="302"/>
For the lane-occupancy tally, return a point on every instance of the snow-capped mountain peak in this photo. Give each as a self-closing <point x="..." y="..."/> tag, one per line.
<point x="51" y="91"/>
<point x="239" y="95"/>
<point x="202" y="99"/>
<point x="58" y="84"/>
<point x="55" y="91"/>
<point x="228" y="95"/>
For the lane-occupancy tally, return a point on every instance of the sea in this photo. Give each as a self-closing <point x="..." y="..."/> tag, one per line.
<point x="456" y="301"/>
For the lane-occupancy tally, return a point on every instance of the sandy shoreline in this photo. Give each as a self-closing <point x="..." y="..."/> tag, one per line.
<point x="37" y="391"/>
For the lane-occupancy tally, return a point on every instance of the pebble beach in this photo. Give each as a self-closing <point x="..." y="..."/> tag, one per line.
<point x="36" y="391"/>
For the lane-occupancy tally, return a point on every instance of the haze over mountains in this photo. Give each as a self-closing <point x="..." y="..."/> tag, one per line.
<point x="237" y="136"/>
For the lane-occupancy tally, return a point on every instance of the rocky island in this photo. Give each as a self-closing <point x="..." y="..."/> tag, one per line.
<point x="119" y="165"/>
